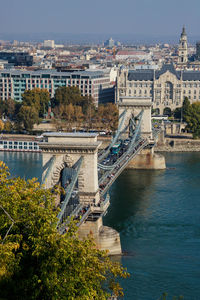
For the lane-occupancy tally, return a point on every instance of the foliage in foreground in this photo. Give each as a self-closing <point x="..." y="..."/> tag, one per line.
<point x="36" y="262"/>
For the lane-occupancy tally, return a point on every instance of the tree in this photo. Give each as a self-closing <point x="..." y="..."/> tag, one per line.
<point x="8" y="126"/>
<point x="177" y="113"/>
<point x="67" y="95"/>
<point x="185" y="108"/>
<point x="2" y="107"/>
<point x="36" y="262"/>
<point x="78" y="114"/>
<point x="37" y="98"/>
<point x="28" y="115"/>
<point x="192" y="118"/>
<point x="1" y="125"/>
<point x="10" y="105"/>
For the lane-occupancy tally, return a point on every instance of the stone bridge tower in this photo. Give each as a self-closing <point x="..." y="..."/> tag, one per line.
<point x="66" y="149"/>
<point x="62" y="150"/>
<point x="146" y="159"/>
<point x="134" y="106"/>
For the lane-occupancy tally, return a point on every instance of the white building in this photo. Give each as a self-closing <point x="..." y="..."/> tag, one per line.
<point x="49" y="44"/>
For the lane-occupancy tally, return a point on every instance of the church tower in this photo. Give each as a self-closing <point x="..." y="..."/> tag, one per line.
<point x="182" y="49"/>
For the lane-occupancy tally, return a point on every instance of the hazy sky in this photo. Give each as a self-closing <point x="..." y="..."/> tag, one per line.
<point x="148" y="17"/>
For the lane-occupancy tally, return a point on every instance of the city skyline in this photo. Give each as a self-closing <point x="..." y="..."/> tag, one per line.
<point x="137" y="17"/>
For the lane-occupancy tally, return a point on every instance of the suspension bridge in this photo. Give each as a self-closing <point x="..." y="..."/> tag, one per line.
<point x="73" y="161"/>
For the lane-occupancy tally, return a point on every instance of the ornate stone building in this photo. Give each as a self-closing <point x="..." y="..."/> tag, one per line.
<point x="167" y="87"/>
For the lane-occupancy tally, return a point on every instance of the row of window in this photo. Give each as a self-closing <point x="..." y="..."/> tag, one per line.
<point x="18" y="143"/>
<point x="186" y="85"/>
<point x="20" y="147"/>
<point x="47" y="81"/>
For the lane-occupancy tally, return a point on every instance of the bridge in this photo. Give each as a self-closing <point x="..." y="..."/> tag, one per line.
<point x="74" y="162"/>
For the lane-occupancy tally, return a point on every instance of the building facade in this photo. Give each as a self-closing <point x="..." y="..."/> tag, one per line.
<point x="96" y="84"/>
<point x="17" y="58"/>
<point x="167" y="87"/>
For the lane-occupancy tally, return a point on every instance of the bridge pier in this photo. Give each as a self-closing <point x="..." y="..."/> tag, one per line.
<point x="106" y="238"/>
<point x="146" y="159"/>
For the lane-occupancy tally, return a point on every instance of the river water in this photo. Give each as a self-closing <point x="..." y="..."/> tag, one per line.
<point x="158" y="216"/>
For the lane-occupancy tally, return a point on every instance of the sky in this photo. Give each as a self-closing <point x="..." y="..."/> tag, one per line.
<point x="137" y="17"/>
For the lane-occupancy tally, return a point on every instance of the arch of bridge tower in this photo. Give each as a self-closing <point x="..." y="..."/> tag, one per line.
<point x="133" y="106"/>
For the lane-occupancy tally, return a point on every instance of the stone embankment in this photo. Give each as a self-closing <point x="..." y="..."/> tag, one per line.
<point x="178" y="144"/>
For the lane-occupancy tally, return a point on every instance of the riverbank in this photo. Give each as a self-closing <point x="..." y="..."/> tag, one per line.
<point x="178" y="144"/>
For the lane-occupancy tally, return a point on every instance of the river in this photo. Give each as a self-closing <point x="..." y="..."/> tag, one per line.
<point x="158" y="216"/>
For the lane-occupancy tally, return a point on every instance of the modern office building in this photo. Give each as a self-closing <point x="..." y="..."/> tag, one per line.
<point x="13" y="83"/>
<point x="17" y="58"/>
<point x="198" y="50"/>
<point x="166" y="86"/>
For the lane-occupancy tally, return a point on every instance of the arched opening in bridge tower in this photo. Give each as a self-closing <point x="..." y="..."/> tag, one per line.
<point x="69" y="189"/>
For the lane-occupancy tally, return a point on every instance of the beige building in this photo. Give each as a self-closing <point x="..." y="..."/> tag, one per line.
<point x="167" y="87"/>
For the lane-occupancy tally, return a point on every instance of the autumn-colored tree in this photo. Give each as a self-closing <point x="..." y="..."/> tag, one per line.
<point x="1" y="125"/>
<point x="78" y="113"/>
<point x="36" y="262"/>
<point x="37" y="98"/>
<point x="108" y="115"/>
<point x="8" y="126"/>
<point x="69" y="112"/>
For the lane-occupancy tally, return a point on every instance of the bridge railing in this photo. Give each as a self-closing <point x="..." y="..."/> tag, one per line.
<point x="80" y="213"/>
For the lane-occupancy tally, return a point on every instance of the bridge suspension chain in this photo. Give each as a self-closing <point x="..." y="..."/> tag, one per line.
<point x="130" y="148"/>
<point x="69" y="190"/>
<point x="104" y="153"/>
<point x="49" y="167"/>
<point x="139" y="147"/>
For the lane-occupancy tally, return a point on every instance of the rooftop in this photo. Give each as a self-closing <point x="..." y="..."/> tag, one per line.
<point x="71" y="134"/>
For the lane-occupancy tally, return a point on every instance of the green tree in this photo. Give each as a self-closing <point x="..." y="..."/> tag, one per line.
<point x="2" y="107"/>
<point x="67" y="95"/>
<point x="185" y="108"/>
<point x="177" y="113"/>
<point x="10" y="106"/>
<point x="36" y="262"/>
<point x="28" y="116"/>
<point x="192" y="118"/>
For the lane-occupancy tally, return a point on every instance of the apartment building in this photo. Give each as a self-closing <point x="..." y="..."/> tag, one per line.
<point x="13" y="83"/>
